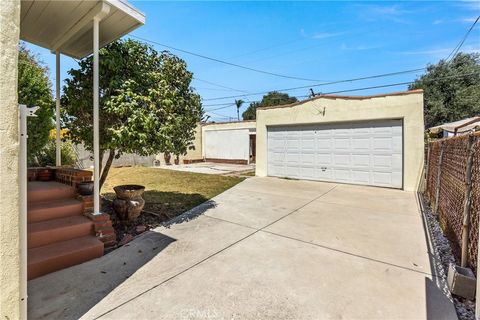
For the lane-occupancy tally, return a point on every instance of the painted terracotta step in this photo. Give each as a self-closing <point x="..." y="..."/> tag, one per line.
<point x="51" y="231"/>
<point x="39" y="191"/>
<point x="60" y="255"/>
<point x="54" y="209"/>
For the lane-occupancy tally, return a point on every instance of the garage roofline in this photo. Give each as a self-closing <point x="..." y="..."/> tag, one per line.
<point x="332" y="96"/>
<point x="226" y="122"/>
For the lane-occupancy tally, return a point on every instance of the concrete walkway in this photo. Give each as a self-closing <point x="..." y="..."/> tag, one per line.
<point x="210" y="167"/>
<point x="266" y="249"/>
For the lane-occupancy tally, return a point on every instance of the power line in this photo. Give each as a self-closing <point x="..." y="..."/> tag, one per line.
<point x="220" y="108"/>
<point x="219" y="85"/>
<point x="225" y="62"/>
<point x="389" y="85"/>
<point x="322" y="84"/>
<point x="460" y="44"/>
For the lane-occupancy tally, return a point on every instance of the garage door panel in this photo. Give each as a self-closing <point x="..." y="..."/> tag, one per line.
<point x="308" y="144"/>
<point x="382" y="144"/>
<point x="361" y="177"/>
<point x="341" y="159"/>
<point x="363" y="153"/>
<point x="361" y="160"/>
<point x="342" y="175"/>
<point x="342" y="144"/>
<point x="361" y="143"/>
<point x="324" y="144"/>
<point x="324" y="159"/>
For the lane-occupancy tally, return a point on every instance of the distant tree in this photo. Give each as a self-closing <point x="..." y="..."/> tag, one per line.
<point x="238" y="104"/>
<point x="455" y="97"/>
<point x="273" y="98"/>
<point x="34" y="88"/>
<point x="146" y="103"/>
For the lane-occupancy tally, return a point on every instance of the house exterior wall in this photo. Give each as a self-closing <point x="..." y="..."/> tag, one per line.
<point x="407" y="106"/>
<point x="9" y="151"/>
<point x="229" y="140"/>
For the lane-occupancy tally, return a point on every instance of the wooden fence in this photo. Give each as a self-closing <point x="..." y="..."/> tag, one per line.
<point x="453" y="189"/>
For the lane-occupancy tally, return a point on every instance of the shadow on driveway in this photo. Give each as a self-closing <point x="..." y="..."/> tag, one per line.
<point x="71" y="292"/>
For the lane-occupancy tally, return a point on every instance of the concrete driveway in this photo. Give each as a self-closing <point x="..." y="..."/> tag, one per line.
<point x="266" y="249"/>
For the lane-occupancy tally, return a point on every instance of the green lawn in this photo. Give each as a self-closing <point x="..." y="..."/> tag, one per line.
<point x="168" y="192"/>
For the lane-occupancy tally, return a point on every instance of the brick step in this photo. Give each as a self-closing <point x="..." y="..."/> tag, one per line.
<point x="54" y="209"/>
<point x="60" y="255"/>
<point x="39" y="191"/>
<point x="46" y="232"/>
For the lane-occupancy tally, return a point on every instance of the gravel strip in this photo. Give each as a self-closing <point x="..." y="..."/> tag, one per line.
<point x="443" y="257"/>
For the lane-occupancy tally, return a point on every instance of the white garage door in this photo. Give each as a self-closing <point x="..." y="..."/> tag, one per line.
<point x="368" y="153"/>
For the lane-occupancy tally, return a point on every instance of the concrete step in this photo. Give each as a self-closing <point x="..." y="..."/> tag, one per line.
<point x="60" y="255"/>
<point x="54" y="209"/>
<point x="39" y="191"/>
<point x="47" y="232"/>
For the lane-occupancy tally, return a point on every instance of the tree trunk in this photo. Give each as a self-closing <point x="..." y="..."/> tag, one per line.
<point x="108" y="164"/>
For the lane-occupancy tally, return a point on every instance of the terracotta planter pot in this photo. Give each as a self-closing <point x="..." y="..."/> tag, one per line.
<point x="167" y="158"/>
<point x="85" y="188"/>
<point x="129" y="202"/>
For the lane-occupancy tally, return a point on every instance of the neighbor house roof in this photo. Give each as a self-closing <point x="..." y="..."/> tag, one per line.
<point x="463" y="125"/>
<point x="67" y="26"/>
<point x="332" y="96"/>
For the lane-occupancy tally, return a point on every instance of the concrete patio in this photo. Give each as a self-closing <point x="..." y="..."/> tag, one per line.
<point x="210" y="167"/>
<point x="266" y="249"/>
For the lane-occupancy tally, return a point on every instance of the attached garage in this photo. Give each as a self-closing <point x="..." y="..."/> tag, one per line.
<point x="375" y="140"/>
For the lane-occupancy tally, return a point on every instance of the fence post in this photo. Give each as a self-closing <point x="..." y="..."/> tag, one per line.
<point x="467" y="201"/>
<point x="439" y="176"/>
<point x="427" y="168"/>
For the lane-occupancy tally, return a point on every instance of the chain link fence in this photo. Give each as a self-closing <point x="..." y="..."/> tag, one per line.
<point x="446" y="189"/>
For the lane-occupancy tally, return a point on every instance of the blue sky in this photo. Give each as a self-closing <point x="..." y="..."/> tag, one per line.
<point x="323" y="41"/>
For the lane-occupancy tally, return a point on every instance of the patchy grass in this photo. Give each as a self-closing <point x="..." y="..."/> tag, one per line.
<point x="168" y="192"/>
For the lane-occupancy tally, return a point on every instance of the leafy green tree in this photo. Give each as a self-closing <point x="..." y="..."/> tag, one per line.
<point x="273" y="98"/>
<point x="47" y="156"/>
<point x="34" y="89"/>
<point x="238" y="104"/>
<point x="146" y="102"/>
<point x="455" y="97"/>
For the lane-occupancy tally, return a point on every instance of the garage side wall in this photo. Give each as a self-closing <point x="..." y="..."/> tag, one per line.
<point x="408" y="106"/>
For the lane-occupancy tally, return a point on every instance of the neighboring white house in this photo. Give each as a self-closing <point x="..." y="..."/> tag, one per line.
<point x="463" y="126"/>
<point x="370" y="140"/>
<point x="232" y="142"/>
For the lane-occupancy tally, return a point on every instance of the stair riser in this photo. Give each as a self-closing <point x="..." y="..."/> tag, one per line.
<point x="45" y="237"/>
<point x="49" y="195"/>
<point x="43" y="214"/>
<point x="65" y="260"/>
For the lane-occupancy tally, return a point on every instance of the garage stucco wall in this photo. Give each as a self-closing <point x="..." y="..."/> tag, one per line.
<point x="407" y="106"/>
<point x="10" y="307"/>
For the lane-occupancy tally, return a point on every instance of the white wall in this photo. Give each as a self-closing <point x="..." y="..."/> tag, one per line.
<point x="10" y="304"/>
<point x="227" y="144"/>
